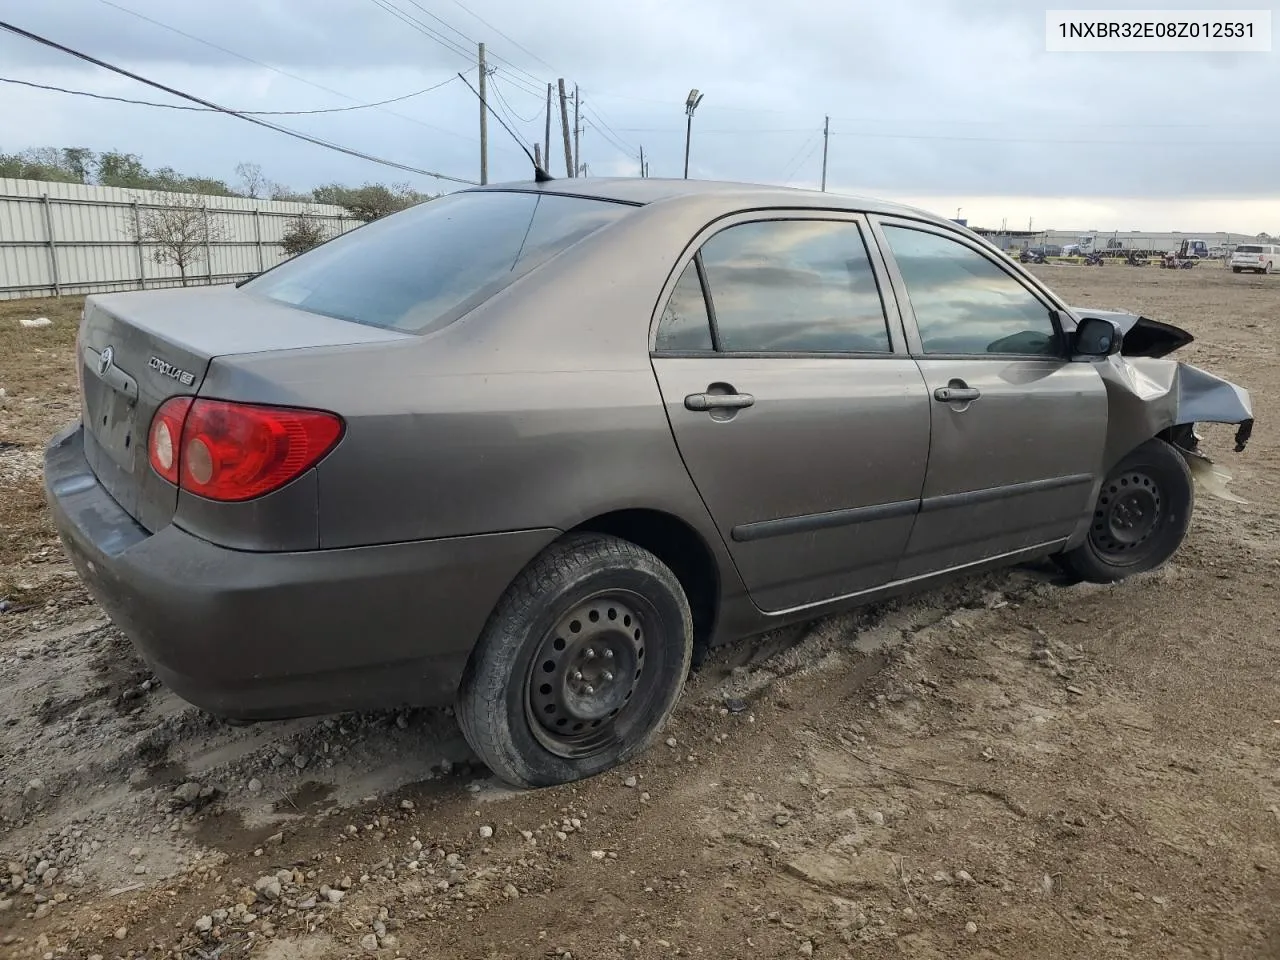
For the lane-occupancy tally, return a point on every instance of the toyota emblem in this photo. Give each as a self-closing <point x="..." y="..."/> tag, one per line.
<point x="105" y="359"/>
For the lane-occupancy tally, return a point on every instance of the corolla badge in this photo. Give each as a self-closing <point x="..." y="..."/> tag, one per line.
<point x="105" y="359"/>
<point x="167" y="369"/>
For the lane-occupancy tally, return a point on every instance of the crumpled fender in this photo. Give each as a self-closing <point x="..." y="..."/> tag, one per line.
<point x="1147" y="396"/>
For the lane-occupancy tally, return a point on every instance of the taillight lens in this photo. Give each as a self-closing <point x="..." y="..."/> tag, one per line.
<point x="228" y="451"/>
<point x="166" y="435"/>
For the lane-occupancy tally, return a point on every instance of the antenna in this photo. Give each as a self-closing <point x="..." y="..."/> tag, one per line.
<point x="540" y="175"/>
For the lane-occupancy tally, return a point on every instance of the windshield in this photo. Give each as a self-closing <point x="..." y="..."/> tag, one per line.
<point x="1247" y="249"/>
<point x="421" y="269"/>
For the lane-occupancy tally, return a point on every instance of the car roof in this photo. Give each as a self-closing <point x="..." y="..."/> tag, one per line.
<point x="648" y="190"/>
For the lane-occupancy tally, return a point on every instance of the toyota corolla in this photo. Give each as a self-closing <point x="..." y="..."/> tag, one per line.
<point x="532" y="448"/>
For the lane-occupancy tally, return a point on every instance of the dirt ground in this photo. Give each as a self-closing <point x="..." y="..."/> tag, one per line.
<point x="1007" y="767"/>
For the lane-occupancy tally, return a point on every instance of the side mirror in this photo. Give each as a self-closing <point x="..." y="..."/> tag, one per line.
<point x="1095" y="337"/>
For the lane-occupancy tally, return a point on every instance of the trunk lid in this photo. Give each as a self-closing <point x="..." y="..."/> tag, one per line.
<point x="139" y="349"/>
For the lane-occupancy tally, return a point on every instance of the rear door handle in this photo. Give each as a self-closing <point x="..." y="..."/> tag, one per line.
<point x="956" y="394"/>
<point x="718" y="401"/>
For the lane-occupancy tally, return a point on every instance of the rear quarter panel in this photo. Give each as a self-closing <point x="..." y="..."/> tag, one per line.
<point x="538" y="409"/>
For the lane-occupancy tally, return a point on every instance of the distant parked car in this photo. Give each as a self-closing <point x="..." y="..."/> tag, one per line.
<point x="1255" y="257"/>
<point x="527" y="448"/>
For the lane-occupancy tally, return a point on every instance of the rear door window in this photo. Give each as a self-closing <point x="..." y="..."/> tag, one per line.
<point x="794" y="286"/>
<point x="423" y="268"/>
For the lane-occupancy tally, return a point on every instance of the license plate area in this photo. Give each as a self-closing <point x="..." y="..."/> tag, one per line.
<point x="111" y="403"/>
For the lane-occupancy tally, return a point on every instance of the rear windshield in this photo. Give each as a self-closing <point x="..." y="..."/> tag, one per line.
<point x="423" y="268"/>
<point x="1248" y="249"/>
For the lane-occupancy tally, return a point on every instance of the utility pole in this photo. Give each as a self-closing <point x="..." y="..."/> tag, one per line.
<point x="546" y="144"/>
<point x="484" y="123"/>
<point x="564" y="127"/>
<point x="826" y="135"/>
<point x="577" y="132"/>
<point x="537" y="154"/>
<point x="642" y="160"/>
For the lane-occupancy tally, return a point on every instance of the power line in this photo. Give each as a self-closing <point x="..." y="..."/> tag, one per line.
<point x="251" y="113"/>
<point x="254" y="120"/>
<point x="803" y="160"/>
<point x="794" y="163"/>
<point x="879" y="135"/>
<point x="451" y="45"/>
<point x="284" y="73"/>
<point x="447" y="42"/>
<point x="514" y="43"/>
<point x="611" y="141"/>
<point x="510" y="109"/>
<point x="515" y="75"/>
<point x="472" y="41"/>
<point x="627" y="148"/>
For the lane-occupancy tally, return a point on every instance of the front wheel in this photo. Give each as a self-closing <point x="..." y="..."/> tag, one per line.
<point x="1140" y="518"/>
<point x="579" y="666"/>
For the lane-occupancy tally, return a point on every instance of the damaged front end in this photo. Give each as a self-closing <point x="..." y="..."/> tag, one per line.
<point x="1151" y="396"/>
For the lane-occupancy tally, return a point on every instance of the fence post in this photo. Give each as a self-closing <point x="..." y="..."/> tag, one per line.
<point x="208" y="255"/>
<point x="257" y="237"/>
<point x="53" y="245"/>
<point x="137" y="239"/>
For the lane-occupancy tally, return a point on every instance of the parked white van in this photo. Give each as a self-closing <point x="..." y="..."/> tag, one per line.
<point x="1255" y="257"/>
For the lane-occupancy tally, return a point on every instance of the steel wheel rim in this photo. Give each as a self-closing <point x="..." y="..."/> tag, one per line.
<point x="593" y="674"/>
<point x="1129" y="514"/>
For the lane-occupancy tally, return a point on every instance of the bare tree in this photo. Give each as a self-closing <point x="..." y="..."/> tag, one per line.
<point x="178" y="232"/>
<point x="302" y="233"/>
<point x="252" y="181"/>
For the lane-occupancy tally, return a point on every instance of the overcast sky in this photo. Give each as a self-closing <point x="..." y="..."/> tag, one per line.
<point x="943" y="103"/>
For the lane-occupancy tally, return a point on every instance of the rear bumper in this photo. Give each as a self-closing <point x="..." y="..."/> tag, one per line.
<point x="269" y="635"/>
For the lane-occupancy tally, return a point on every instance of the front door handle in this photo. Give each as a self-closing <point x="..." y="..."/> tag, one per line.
<point x="718" y="401"/>
<point x="956" y="394"/>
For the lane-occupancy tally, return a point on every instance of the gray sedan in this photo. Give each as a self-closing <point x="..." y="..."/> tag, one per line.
<point x="532" y="449"/>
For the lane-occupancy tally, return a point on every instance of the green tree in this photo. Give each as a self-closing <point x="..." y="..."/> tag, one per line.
<point x="79" y="161"/>
<point x="38" y="163"/>
<point x="371" y="201"/>
<point x="116" y="169"/>
<point x="302" y="233"/>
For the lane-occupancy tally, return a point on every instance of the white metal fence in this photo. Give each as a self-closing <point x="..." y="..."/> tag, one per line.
<point x="58" y="238"/>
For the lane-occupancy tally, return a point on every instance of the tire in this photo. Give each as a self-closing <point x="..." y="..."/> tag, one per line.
<point x="1266" y="268"/>
<point x="1140" y="519"/>
<point x="1235" y="269"/>
<point x="612" y="623"/>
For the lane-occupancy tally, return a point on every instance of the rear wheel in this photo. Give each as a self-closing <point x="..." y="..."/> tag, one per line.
<point x="580" y="665"/>
<point x="1235" y="269"/>
<point x="1140" y="518"/>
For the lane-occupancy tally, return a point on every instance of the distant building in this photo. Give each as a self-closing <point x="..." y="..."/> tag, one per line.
<point x="1220" y="243"/>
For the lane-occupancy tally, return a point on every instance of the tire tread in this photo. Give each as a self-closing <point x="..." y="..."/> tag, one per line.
<point x="481" y="705"/>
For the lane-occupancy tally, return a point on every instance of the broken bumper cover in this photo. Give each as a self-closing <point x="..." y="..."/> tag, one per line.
<point x="1149" y="394"/>
<point x="1203" y="397"/>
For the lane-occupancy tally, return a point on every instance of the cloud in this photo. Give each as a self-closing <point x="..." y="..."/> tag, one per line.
<point x="950" y="99"/>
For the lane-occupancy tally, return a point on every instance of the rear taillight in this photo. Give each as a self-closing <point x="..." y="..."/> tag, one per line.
<point x="228" y="451"/>
<point x="166" y="435"/>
